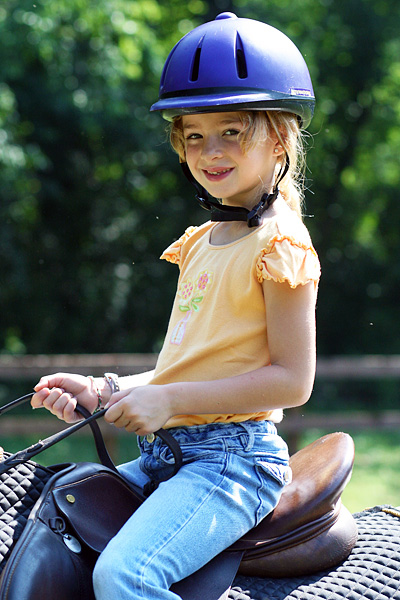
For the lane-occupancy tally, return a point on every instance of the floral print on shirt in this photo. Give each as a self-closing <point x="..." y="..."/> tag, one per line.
<point x="190" y="296"/>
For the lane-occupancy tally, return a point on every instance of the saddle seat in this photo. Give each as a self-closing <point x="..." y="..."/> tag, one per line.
<point x="310" y="529"/>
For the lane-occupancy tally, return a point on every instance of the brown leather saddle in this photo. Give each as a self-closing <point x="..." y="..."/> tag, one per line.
<point x="310" y="529"/>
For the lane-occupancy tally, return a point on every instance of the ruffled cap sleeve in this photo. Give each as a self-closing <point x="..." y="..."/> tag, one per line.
<point x="173" y="252"/>
<point x="288" y="260"/>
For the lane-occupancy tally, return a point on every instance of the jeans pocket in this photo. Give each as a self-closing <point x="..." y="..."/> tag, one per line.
<point x="272" y="479"/>
<point x="281" y="473"/>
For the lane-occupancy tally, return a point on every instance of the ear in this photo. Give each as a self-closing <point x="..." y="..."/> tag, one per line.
<point x="278" y="139"/>
<point x="278" y="149"/>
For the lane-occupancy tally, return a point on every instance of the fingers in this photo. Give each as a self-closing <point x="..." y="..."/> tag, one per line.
<point x="141" y="410"/>
<point x="117" y="411"/>
<point x="39" y="397"/>
<point x="115" y="414"/>
<point x="78" y="389"/>
<point x="116" y="397"/>
<point x="59" y="402"/>
<point x="50" y="381"/>
<point x="120" y="417"/>
<point x="71" y="382"/>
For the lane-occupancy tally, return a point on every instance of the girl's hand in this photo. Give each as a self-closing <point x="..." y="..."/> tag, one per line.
<point x="140" y="410"/>
<point x="60" y="393"/>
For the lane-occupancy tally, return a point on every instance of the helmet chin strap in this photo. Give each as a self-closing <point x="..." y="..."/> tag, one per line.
<point x="223" y="212"/>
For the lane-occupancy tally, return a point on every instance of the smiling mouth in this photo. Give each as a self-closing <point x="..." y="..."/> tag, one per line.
<point x="216" y="173"/>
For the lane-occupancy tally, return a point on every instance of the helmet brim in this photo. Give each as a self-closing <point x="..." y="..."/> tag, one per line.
<point x="234" y="100"/>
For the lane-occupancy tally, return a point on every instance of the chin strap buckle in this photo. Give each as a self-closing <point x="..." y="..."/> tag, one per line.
<point x="254" y="215"/>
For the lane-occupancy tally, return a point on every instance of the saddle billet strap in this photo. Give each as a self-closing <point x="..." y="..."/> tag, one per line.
<point x="28" y="453"/>
<point x="211" y="582"/>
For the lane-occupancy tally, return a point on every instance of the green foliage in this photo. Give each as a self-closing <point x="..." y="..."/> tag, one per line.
<point x="83" y="175"/>
<point x="91" y="193"/>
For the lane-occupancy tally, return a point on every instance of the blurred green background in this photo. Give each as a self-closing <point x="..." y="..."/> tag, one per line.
<point x="91" y="194"/>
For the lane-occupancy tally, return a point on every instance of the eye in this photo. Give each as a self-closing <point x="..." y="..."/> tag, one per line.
<point x="231" y="132"/>
<point x="193" y="136"/>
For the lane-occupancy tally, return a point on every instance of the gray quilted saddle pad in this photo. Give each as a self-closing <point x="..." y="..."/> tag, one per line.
<point x="20" y="487"/>
<point x="372" y="571"/>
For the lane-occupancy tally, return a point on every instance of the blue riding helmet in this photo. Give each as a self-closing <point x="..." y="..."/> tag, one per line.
<point x="234" y="64"/>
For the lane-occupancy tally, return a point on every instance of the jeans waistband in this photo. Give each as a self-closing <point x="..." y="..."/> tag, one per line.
<point x="196" y="434"/>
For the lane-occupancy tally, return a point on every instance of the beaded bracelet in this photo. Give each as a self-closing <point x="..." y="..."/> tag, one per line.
<point x="99" y="396"/>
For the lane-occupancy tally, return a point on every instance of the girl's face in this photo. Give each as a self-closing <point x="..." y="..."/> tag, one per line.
<point x="218" y="162"/>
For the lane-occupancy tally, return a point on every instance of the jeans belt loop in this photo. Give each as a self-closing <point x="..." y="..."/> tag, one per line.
<point x="249" y="430"/>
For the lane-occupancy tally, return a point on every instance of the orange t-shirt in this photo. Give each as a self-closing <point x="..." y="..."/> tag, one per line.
<point x="218" y="327"/>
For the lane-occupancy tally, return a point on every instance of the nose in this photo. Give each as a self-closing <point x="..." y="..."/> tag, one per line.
<point x="212" y="147"/>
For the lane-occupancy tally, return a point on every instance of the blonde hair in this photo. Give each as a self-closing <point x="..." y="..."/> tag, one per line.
<point x="257" y="128"/>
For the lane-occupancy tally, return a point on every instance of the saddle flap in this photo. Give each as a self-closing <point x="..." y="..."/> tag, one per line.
<point x="86" y="501"/>
<point x="311" y="502"/>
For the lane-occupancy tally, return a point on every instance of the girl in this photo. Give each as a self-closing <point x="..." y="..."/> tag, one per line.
<point x="240" y="345"/>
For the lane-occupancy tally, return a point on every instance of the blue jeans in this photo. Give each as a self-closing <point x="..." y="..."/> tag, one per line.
<point x="232" y="476"/>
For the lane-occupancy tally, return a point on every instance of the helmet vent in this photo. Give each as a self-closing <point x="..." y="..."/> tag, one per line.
<point x="241" y="65"/>
<point x="196" y="62"/>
